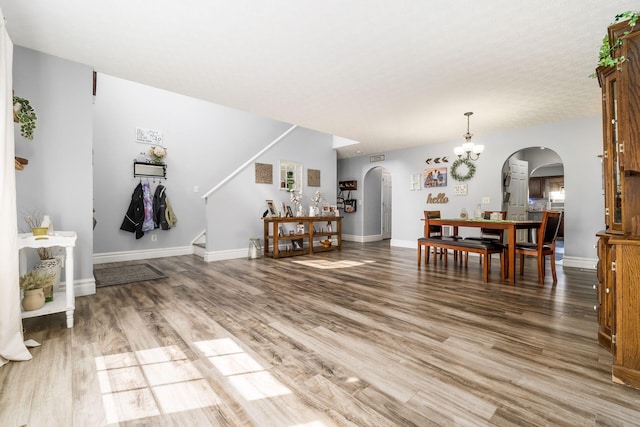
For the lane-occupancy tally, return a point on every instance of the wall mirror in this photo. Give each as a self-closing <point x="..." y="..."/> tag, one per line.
<point x="290" y="176"/>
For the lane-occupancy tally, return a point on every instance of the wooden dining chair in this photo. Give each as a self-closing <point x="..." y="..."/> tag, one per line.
<point x="545" y="246"/>
<point x="489" y="234"/>
<point x="432" y="231"/>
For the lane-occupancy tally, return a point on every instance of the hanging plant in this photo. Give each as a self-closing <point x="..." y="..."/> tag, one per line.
<point x="463" y="175"/>
<point x="606" y="57"/>
<point x="25" y="115"/>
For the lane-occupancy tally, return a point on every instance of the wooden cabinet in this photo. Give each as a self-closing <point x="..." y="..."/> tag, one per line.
<point x="304" y="235"/>
<point x="536" y="188"/>
<point x="625" y="338"/>
<point x="605" y="290"/>
<point x="618" y="287"/>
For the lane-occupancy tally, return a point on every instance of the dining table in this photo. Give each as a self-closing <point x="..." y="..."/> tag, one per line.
<point x="511" y="226"/>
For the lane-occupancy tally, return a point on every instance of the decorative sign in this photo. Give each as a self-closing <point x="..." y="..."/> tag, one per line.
<point x="313" y="177"/>
<point x="264" y="173"/>
<point x="378" y="158"/>
<point x="460" y="189"/>
<point x="148" y="136"/>
<point x="444" y="159"/>
<point x="440" y="198"/>
<point x="416" y="181"/>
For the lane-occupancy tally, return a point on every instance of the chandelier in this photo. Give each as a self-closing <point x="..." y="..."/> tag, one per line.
<point x="469" y="147"/>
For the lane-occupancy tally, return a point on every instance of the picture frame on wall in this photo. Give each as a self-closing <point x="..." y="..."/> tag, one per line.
<point x="435" y="177"/>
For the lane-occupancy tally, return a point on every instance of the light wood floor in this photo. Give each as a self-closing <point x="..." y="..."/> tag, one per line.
<point x="369" y="340"/>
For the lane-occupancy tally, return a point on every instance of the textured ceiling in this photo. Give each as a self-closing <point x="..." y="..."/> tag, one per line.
<point x="389" y="73"/>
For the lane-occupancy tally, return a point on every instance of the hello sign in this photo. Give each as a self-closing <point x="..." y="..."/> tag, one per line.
<point x="440" y="198"/>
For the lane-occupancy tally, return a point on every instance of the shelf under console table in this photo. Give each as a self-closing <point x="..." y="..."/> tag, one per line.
<point x="305" y="237"/>
<point x="63" y="300"/>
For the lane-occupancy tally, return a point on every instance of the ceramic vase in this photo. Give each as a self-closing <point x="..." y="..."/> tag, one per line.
<point x="33" y="299"/>
<point x="49" y="266"/>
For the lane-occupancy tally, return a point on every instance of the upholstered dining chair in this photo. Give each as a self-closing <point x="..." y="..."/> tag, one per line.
<point x="436" y="231"/>
<point x="545" y="246"/>
<point x="432" y="231"/>
<point x="489" y="234"/>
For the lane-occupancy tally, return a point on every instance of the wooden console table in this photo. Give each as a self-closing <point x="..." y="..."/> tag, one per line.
<point x="63" y="300"/>
<point x="306" y="237"/>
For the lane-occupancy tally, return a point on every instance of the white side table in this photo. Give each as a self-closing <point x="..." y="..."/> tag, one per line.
<point x="63" y="300"/>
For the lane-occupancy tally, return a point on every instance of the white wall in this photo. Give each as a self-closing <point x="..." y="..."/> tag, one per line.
<point x="205" y="143"/>
<point x="234" y="211"/>
<point x="577" y="142"/>
<point x="58" y="179"/>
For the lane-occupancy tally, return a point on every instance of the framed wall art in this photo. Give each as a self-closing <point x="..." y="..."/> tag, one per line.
<point x="436" y="177"/>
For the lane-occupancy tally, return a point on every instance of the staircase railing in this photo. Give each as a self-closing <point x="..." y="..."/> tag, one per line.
<point x="248" y="162"/>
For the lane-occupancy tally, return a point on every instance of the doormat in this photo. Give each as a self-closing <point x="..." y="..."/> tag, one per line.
<point x="126" y="274"/>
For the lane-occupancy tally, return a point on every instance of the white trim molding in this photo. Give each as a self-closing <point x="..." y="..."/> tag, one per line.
<point x="84" y="287"/>
<point x="138" y="255"/>
<point x="410" y="244"/>
<point x="362" y="239"/>
<point x="577" y="262"/>
<point x="225" y="255"/>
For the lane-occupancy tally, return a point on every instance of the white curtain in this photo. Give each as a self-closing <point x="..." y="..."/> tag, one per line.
<point x="11" y="344"/>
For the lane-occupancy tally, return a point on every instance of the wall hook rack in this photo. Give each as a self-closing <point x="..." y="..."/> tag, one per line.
<point x="149" y="169"/>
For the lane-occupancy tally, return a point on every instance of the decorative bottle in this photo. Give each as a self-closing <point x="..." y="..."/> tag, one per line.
<point x="478" y="214"/>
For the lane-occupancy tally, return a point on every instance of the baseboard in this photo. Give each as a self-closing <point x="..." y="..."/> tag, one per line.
<point x="106" y="257"/>
<point x="225" y="255"/>
<point x="199" y="250"/>
<point x="362" y="239"/>
<point x="581" y="263"/>
<point x="410" y="244"/>
<point x="82" y="287"/>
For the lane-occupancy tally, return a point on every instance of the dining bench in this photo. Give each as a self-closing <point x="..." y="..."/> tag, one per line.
<point x="460" y="244"/>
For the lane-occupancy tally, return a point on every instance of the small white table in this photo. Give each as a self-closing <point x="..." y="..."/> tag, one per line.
<point x="63" y="300"/>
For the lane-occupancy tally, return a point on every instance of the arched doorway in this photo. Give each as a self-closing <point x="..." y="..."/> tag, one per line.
<point x="377" y="196"/>
<point x="533" y="181"/>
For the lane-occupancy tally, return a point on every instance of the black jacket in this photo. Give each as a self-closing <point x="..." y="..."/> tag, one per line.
<point x="132" y="221"/>
<point x="163" y="215"/>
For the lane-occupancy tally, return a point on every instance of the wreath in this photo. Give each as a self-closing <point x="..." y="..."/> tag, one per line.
<point x="471" y="170"/>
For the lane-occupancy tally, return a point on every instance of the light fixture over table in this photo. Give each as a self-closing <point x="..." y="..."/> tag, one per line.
<point x="469" y="147"/>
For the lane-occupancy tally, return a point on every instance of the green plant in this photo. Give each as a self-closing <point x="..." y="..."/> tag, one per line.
<point x="26" y="116"/>
<point x="606" y="57"/>
<point x="36" y="279"/>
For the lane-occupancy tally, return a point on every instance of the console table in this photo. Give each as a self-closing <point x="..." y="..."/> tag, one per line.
<point x="63" y="300"/>
<point x="306" y="237"/>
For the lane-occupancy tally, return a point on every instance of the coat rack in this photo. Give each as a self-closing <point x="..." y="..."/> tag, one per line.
<point x="149" y="169"/>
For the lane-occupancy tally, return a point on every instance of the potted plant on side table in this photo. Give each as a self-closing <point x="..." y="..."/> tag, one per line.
<point x="33" y="284"/>
<point x="49" y="262"/>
